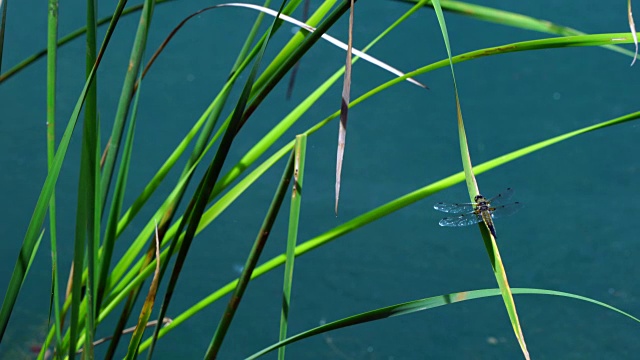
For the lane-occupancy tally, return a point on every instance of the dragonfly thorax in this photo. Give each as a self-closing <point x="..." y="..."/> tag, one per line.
<point x="482" y="204"/>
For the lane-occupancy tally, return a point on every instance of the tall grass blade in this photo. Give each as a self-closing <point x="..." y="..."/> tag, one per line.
<point x="111" y="229"/>
<point x="300" y="149"/>
<point x="426" y="304"/>
<point x="252" y="260"/>
<point x="632" y="26"/>
<point x="134" y="344"/>
<point x="88" y="218"/>
<point x="126" y="96"/>
<point x="37" y="219"/>
<point x="472" y="187"/>
<point x="52" y="64"/>
<point x="324" y="36"/>
<point x="344" y="109"/>
<point x="116" y="205"/>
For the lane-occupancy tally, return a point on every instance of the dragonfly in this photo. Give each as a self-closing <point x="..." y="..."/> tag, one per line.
<point x="481" y="210"/>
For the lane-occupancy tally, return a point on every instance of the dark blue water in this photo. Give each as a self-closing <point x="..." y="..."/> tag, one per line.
<point x="577" y="232"/>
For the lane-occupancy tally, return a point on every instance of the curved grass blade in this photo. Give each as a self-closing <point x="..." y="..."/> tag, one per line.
<point x="516" y="20"/>
<point x="472" y="187"/>
<point x="344" y="109"/>
<point x="299" y="150"/>
<point x="328" y="38"/>
<point x="66" y="39"/>
<point x="252" y="260"/>
<point x="426" y="304"/>
<point x="632" y="26"/>
<point x="376" y="214"/>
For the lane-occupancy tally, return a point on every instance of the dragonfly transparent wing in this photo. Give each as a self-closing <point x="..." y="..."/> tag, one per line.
<point x="505" y="210"/>
<point x="461" y="220"/>
<point x="501" y="198"/>
<point x="454" y="208"/>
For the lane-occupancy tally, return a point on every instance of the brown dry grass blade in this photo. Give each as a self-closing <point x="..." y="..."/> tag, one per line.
<point x="143" y="320"/>
<point x="344" y="108"/>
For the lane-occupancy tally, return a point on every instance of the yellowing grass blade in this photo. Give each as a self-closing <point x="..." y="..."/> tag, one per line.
<point x="134" y="344"/>
<point x="472" y="186"/>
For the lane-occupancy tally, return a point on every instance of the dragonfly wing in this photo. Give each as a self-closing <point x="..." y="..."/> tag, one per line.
<point x="454" y="208"/>
<point x="461" y="220"/>
<point x="506" y="210"/>
<point x="501" y="198"/>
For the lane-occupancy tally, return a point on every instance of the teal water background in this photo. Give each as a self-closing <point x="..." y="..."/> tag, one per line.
<point x="577" y="232"/>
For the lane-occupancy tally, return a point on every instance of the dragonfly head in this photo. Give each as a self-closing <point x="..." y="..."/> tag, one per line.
<point x="478" y="198"/>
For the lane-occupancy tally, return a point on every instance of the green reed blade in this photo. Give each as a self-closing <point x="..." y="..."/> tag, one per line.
<point x="425" y="304"/>
<point x="516" y="20"/>
<point x="299" y="151"/>
<point x="252" y="260"/>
